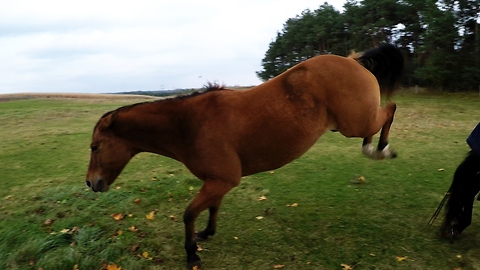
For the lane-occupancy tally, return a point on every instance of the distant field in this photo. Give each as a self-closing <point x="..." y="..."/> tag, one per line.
<point x="315" y="214"/>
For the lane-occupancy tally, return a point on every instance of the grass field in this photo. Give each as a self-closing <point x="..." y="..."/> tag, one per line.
<point x="313" y="215"/>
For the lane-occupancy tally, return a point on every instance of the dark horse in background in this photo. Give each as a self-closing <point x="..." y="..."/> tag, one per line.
<point x="461" y="194"/>
<point x="221" y="135"/>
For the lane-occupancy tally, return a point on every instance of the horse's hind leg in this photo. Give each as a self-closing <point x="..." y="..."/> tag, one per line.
<point x="385" y="120"/>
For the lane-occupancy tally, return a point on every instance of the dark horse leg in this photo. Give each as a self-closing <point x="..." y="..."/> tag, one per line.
<point x="464" y="187"/>
<point x="383" y="149"/>
<point x="212" y="224"/>
<point x="210" y="196"/>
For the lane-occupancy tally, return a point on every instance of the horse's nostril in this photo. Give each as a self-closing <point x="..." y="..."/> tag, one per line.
<point x="88" y="183"/>
<point x="100" y="184"/>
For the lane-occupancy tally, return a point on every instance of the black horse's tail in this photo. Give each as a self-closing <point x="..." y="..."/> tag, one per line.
<point x="460" y="197"/>
<point x="386" y="63"/>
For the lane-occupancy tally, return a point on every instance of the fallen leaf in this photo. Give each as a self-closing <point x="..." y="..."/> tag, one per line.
<point x="199" y="248"/>
<point x="151" y="215"/>
<point x="48" y="222"/>
<point x="262" y="198"/>
<point x="236" y="238"/>
<point x="118" y="216"/>
<point x="400" y="259"/>
<point x="133" y="229"/>
<point x="173" y="217"/>
<point x="195" y="268"/>
<point x="154" y="178"/>
<point x="272" y="172"/>
<point x="294" y="205"/>
<point x="113" y="267"/>
<point x="118" y="187"/>
<point x="137" y="201"/>
<point x="346" y="266"/>
<point x="441" y="170"/>
<point x="145" y="254"/>
<point x="459" y="256"/>
<point x="278" y="266"/>
<point x="259" y="217"/>
<point x="361" y="179"/>
<point x="75" y="267"/>
<point x="64" y="231"/>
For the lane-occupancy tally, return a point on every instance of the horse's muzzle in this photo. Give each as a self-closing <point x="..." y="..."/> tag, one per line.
<point x="97" y="186"/>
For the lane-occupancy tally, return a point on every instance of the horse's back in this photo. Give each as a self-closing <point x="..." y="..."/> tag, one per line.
<point x="271" y="124"/>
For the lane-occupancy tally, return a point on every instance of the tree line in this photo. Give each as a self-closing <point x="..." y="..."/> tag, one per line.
<point x="439" y="39"/>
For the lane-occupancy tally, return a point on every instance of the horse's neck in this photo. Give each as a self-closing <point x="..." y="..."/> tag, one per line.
<point x="152" y="127"/>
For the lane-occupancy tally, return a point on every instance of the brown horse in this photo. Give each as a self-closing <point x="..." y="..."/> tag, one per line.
<point x="222" y="135"/>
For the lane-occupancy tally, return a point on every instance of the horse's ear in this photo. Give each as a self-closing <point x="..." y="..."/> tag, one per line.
<point x="107" y="120"/>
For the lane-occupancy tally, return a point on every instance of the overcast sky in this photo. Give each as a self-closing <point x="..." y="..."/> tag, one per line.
<point x="112" y="46"/>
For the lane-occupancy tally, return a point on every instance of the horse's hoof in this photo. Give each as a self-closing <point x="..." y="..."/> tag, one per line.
<point x="203" y="235"/>
<point x="388" y="153"/>
<point x="369" y="151"/>
<point x="196" y="265"/>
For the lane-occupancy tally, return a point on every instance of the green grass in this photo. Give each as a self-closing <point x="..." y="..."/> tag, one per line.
<point x="44" y="156"/>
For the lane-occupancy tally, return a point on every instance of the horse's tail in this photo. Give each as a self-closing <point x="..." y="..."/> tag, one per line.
<point x="386" y="63"/>
<point x="461" y="194"/>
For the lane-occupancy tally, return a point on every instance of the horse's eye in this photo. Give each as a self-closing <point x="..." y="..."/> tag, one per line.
<point x="94" y="148"/>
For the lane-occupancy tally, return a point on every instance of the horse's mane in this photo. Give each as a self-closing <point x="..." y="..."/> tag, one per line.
<point x="209" y="87"/>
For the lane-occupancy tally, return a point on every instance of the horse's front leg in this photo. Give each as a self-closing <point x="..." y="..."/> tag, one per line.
<point x="385" y="120"/>
<point x="210" y="196"/>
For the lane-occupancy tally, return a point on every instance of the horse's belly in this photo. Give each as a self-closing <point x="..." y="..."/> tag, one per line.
<point x="273" y="156"/>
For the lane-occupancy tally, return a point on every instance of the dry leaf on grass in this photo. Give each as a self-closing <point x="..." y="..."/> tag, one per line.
<point x="278" y="266"/>
<point x="118" y="216"/>
<point x="136" y="201"/>
<point x="151" y="215"/>
<point x="48" y="222"/>
<point x="401" y="259"/>
<point x="133" y="229"/>
<point x="262" y="198"/>
<point x="113" y="267"/>
<point x="346" y="266"/>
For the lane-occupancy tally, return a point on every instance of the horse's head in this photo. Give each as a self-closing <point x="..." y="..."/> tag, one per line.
<point x="109" y="155"/>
